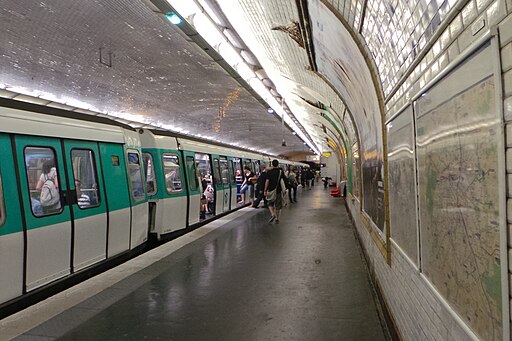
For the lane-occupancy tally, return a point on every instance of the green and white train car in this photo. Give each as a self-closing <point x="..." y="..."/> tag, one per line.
<point x="98" y="208"/>
<point x="79" y="193"/>
<point x="166" y="185"/>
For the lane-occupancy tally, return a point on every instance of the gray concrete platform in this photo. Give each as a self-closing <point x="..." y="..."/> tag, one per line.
<point x="246" y="279"/>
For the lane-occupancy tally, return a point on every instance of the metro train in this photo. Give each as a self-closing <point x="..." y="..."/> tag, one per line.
<point x="77" y="191"/>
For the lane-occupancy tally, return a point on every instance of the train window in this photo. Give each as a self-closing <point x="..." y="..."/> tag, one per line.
<point x="238" y="170"/>
<point x="204" y="170"/>
<point x="248" y="163"/>
<point x="224" y="171"/>
<point x="172" y="173"/>
<point x="193" y="183"/>
<point x="149" y="171"/>
<point x="231" y="173"/>
<point x="216" y="172"/>
<point x="43" y="181"/>
<point x="135" y="173"/>
<point x="115" y="160"/>
<point x="84" y="173"/>
<point x="2" y="203"/>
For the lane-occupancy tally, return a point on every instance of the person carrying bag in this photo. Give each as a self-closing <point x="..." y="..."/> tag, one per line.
<point x="274" y="191"/>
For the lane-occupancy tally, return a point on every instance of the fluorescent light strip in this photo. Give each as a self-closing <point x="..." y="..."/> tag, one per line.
<point x="136" y="121"/>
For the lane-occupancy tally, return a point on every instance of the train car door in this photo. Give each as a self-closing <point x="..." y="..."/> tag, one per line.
<point x="232" y="182"/>
<point x="219" y="189"/>
<point x="172" y="211"/>
<point x="117" y="197"/>
<point x="247" y="163"/>
<point x="48" y="220"/>
<point x="237" y="164"/>
<point x="87" y="201"/>
<point x="224" y="175"/>
<point x="138" y="202"/>
<point x="11" y="226"/>
<point x="194" y="191"/>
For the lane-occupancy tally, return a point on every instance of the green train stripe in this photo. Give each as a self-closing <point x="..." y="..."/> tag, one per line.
<point x="13" y="223"/>
<point x="114" y="171"/>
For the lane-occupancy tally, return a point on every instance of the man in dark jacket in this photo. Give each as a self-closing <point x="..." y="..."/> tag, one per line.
<point x="273" y="183"/>
<point x="309" y="177"/>
<point x="260" y="188"/>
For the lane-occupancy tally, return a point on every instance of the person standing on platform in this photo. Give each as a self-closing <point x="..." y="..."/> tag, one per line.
<point x="247" y="185"/>
<point x="260" y="188"/>
<point x="274" y="190"/>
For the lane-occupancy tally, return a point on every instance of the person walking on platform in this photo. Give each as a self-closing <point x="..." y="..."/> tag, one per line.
<point x="309" y="177"/>
<point x="260" y="188"/>
<point x="292" y="180"/>
<point x="274" y="190"/>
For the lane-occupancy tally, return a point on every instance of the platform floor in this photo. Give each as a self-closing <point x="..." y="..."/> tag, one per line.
<point x="238" y="278"/>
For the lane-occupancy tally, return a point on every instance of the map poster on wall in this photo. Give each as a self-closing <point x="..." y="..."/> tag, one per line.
<point x="341" y="62"/>
<point x="457" y="144"/>
<point x="402" y="183"/>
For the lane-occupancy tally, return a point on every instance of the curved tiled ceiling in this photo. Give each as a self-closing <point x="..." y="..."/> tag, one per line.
<point x="51" y="50"/>
<point x="391" y="35"/>
<point x="289" y="67"/>
<point x="395" y="31"/>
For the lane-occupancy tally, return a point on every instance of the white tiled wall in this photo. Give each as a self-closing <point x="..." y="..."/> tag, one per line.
<point x="418" y="313"/>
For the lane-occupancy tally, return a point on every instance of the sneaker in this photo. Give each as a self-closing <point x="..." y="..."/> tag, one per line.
<point x="277" y="221"/>
<point x="271" y="219"/>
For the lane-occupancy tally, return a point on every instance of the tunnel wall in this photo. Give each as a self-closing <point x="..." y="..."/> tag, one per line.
<point x="417" y="308"/>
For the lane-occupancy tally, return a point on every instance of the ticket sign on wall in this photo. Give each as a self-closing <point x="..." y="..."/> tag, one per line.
<point x="339" y="59"/>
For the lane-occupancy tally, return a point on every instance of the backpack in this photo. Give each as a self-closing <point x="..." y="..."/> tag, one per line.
<point x="292" y="180"/>
<point x="50" y="195"/>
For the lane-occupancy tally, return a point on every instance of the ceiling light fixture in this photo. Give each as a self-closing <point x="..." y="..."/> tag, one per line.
<point x="174" y="18"/>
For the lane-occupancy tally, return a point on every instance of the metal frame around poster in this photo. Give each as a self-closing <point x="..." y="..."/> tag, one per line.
<point x="502" y="178"/>
<point x="414" y="261"/>
<point x="493" y="40"/>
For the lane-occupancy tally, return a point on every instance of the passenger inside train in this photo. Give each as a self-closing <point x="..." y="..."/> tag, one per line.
<point x="44" y="193"/>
